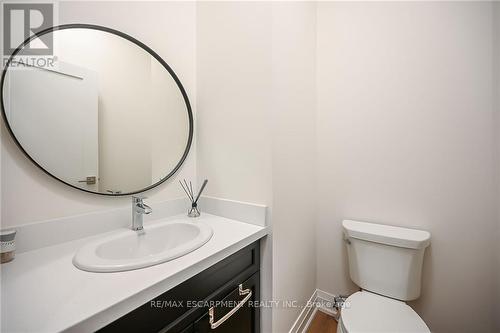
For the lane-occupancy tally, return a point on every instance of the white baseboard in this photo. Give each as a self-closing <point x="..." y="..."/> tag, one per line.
<point x="319" y="301"/>
<point x="325" y="302"/>
<point x="304" y="319"/>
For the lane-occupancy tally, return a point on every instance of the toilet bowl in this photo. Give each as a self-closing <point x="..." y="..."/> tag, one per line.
<point x="386" y="263"/>
<point x="366" y="312"/>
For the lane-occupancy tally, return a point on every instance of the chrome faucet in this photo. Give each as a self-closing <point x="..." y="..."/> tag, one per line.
<point x="139" y="208"/>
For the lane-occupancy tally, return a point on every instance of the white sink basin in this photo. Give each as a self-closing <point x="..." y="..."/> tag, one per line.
<point x="128" y="249"/>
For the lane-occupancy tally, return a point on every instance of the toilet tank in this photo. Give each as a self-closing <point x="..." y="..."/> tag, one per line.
<point x="384" y="259"/>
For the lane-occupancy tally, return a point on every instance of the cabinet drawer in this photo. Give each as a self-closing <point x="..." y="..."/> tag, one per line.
<point x="235" y="313"/>
<point x="161" y="314"/>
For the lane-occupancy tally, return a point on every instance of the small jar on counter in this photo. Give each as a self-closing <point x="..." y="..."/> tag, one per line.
<point x="7" y="245"/>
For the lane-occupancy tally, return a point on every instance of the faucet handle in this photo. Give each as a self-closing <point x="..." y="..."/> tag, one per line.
<point x="138" y="203"/>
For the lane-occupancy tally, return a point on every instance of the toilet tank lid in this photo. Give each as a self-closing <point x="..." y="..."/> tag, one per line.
<point x="387" y="234"/>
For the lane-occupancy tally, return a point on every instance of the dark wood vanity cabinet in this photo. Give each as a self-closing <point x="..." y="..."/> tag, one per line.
<point x="218" y="290"/>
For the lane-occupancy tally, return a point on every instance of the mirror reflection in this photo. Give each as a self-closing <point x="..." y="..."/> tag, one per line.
<point x="103" y="115"/>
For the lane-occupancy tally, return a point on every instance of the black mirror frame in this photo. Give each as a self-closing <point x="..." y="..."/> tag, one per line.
<point x="131" y="39"/>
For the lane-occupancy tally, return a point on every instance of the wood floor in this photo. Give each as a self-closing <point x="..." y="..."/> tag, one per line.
<point x="322" y="323"/>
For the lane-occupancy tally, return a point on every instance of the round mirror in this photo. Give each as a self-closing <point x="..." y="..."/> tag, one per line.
<point x="102" y="113"/>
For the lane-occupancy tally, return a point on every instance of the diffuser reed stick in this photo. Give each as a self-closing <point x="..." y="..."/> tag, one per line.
<point x="188" y="189"/>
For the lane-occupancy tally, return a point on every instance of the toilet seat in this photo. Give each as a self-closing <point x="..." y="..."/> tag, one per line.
<point x="366" y="312"/>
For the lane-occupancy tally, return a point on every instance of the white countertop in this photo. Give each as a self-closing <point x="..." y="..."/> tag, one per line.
<point x="41" y="290"/>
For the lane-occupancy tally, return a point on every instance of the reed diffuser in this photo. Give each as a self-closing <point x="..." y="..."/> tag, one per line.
<point x="188" y="189"/>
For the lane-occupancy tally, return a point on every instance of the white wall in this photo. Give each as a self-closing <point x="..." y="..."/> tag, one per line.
<point x="169" y="28"/>
<point x="234" y="99"/>
<point x="496" y="95"/>
<point x="294" y="157"/>
<point x="405" y="137"/>
<point x="233" y="110"/>
<point x="256" y="64"/>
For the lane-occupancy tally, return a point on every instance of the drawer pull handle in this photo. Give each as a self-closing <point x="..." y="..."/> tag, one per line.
<point x="242" y="292"/>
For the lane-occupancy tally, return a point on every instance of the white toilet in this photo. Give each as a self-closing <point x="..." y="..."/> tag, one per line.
<point x="386" y="263"/>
